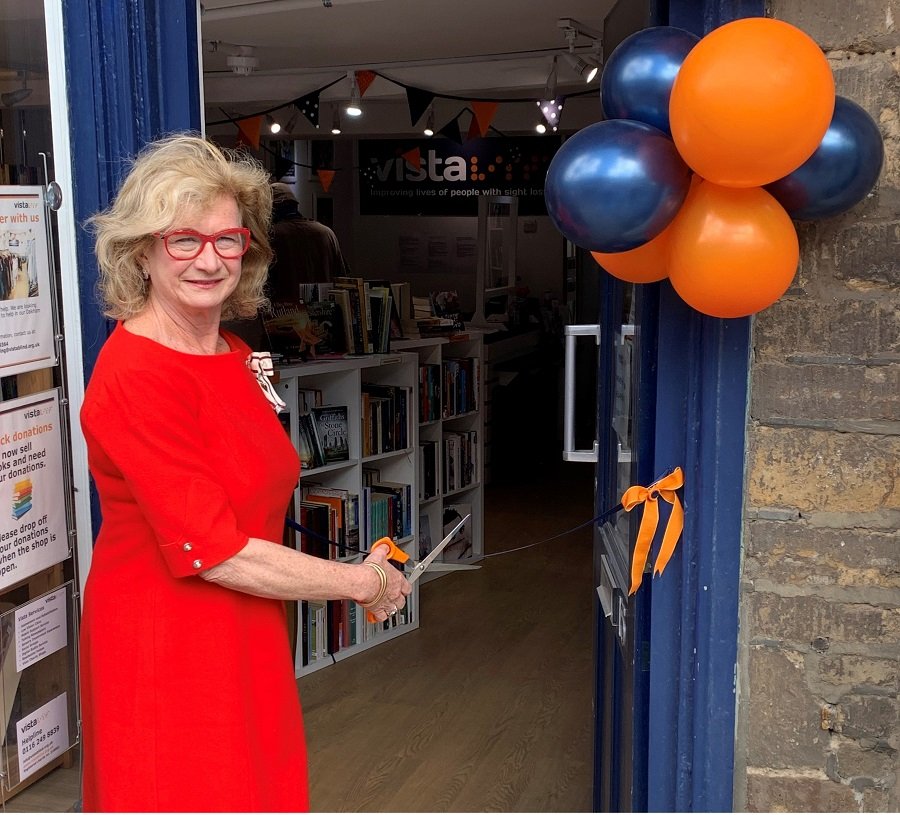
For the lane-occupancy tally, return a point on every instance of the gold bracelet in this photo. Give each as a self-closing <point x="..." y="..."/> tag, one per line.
<point x="381" y="592"/>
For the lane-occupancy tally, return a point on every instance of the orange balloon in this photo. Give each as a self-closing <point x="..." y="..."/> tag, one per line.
<point x="734" y="251"/>
<point x="647" y="263"/>
<point x="751" y="102"/>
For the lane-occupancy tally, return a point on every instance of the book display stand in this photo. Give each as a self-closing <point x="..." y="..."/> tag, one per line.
<point x="364" y="492"/>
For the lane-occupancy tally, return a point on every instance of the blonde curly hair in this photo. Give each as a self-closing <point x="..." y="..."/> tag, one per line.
<point x="175" y="174"/>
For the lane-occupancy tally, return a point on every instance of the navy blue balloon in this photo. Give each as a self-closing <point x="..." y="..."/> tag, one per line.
<point x="840" y="173"/>
<point x="615" y="185"/>
<point x="638" y="76"/>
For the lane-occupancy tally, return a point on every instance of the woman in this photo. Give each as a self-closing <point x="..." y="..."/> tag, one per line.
<point x="189" y="701"/>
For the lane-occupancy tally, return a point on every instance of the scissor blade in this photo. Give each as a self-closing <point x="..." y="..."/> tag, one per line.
<point x="423" y="564"/>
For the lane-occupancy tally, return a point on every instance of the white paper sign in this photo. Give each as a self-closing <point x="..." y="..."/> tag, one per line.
<point x="41" y="628"/>
<point x="43" y="735"/>
<point x="26" y="302"/>
<point x="33" y="532"/>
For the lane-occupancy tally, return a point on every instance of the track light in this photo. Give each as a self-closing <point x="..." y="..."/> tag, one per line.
<point x="274" y="127"/>
<point x="588" y="68"/>
<point x="429" y="123"/>
<point x="336" y="122"/>
<point x="353" y="109"/>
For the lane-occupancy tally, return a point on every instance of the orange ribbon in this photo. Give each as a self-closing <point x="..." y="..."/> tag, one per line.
<point x="665" y="489"/>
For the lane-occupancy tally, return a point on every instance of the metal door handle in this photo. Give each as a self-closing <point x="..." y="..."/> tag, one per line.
<point x="569" y="451"/>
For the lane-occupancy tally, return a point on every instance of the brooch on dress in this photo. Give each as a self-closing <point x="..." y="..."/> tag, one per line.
<point x="260" y="362"/>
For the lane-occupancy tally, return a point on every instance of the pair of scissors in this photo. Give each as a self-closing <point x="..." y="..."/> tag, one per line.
<point x="418" y="568"/>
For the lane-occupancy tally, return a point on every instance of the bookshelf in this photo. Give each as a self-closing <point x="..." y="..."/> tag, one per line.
<point x="452" y="425"/>
<point x="365" y="488"/>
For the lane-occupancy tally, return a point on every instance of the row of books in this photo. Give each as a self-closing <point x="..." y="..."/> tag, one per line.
<point x="326" y="629"/>
<point x="460" y="462"/>
<point x="336" y="523"/>
<point x="449" y="389"/>
<point x="387" y="508"/>
<point x="385" y="418"/>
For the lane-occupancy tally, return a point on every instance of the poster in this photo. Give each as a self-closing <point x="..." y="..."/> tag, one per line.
<point x="43" y="735"/>
<point x="26" y="302"/>
<point x="41" y="628"/>
<point x="33" y="524"/>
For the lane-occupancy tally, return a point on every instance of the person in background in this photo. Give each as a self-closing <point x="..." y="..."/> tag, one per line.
<point x="188" y="696"/>
<point x="305" y="250"/>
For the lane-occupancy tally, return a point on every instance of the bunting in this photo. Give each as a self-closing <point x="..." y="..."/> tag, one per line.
<point x="363" y="80"/>
<point x="413" y="158"/>
<point x="482" y="116"/>
<point x="325" y="178"/>
<point x="418" y="102"/>
<point x="451" y="130"/>
<point x="309" y="106"/>
<point x="248" y="131"/>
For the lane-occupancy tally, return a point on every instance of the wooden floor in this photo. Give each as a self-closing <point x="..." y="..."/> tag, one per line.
<point x="485" y="708"/>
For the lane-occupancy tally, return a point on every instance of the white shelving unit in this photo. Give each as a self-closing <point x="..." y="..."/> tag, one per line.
<point x="470" y="423"/>
<point x="341" y="382"/>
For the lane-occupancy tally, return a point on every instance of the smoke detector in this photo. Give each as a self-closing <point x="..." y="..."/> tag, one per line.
<point x="243" y="63"/>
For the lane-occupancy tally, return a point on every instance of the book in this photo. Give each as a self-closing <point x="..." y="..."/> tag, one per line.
<point x="290" y="332"/>
<point x="332" y="428"/>
<point x="461" y="546"/>
<point x="360" y="309"/>
<point x="425" y="543"/>
<point x="352" y="342"/>
<point x="327" y="323"/>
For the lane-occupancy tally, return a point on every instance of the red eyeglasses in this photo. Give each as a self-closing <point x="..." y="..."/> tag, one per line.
<point x="186" y="244"/>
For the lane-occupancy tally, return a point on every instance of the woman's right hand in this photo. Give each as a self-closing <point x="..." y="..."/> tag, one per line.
<point x="397" y="587"/>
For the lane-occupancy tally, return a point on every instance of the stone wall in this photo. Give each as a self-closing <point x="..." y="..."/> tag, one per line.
<point x="819" y="659"/>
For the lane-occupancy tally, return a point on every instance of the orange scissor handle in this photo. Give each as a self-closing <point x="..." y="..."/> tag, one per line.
<point x="396" y="554"/>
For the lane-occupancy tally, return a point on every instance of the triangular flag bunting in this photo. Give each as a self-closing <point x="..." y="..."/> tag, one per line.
<point x="309" y="106"/>
<point x="418" y="101"/>
<point x="451" y="130"/>
<point x="248" y="131"/>
<point x="483" y="115"/>
<point x="413" y="158"/>
<point x="282" y="167"/>
<point x="325" y="178"/>
<point x="363" y="80"/>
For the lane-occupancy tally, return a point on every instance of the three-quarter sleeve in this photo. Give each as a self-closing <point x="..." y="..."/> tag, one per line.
<point x="150" y="433"/>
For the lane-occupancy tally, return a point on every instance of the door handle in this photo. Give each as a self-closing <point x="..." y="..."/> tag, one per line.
<point x="569" y="451"/>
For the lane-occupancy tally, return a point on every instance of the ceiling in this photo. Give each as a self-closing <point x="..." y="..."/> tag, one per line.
<point x="478" y="49"/>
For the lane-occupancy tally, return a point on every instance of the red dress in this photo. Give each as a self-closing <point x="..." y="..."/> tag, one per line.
<point x="188" y="696"/>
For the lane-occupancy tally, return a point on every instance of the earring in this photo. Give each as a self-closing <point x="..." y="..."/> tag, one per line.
<point x="145" y="274"/>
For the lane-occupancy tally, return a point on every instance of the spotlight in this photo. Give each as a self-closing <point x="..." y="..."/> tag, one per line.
<point x="336" y="122"/>
<point x="353" y="109"/>
<point x="274" y="127"/>
<point x="588" y="68"/>
<point x="429" y="124"/>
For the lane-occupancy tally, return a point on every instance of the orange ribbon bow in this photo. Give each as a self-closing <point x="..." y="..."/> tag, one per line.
<point x="665" y="489"/>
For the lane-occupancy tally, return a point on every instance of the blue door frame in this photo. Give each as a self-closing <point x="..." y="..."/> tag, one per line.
<point x="678" y="755"/>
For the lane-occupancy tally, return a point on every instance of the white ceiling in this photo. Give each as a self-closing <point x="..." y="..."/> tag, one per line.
<point x="488" y="49"/>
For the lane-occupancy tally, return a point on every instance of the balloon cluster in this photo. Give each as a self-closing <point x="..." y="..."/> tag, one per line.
<point x="708" y="149"/>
